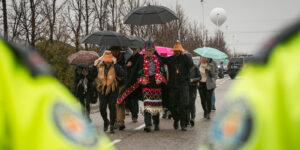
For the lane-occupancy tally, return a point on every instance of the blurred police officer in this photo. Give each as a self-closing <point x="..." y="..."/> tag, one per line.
<point x="37" y="112"/>
<point x="263" y="107"/>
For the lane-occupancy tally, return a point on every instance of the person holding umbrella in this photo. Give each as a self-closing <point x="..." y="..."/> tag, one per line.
<point x="107" y="84"/>
<point x="209" y="72"/>
<point x="85" y="74"/>
<point x="84" y="88"/>
<point x="179" y="66"/>
<point x="133" y="101"/>
<point x="195" y="77"/>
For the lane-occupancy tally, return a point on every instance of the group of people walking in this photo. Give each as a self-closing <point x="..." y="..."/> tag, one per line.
<point x="162" y="83"/>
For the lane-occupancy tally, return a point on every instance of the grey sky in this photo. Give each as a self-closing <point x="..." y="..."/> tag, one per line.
<point x="249" y="22"/>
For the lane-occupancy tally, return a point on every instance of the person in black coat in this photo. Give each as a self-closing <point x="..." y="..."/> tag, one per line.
<point x="195" y="77"/>
<point x="132" y="100"/>
<point x="84" y="88"/>
<point x="179" y="66"/>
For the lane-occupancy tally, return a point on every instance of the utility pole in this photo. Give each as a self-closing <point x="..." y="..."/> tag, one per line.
<point x="203" y="34"/>
<point x="5" y="19"/>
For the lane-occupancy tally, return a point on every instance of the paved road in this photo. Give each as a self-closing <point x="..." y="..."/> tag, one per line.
<point x="134" y="137"/>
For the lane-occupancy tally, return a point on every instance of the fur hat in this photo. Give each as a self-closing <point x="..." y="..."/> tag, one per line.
<point x="178" y="46"/>
<point x="107" y="57"/>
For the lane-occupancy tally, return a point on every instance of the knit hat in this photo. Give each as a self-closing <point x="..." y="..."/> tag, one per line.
<point x="149" y="45"/>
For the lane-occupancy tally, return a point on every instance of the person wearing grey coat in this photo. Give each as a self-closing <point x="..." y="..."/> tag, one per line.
<point x="209" y="71"/>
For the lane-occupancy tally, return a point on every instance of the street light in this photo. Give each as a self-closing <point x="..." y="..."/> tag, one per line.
<point x="203" y="35"/>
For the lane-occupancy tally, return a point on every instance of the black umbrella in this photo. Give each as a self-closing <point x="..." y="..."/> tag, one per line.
<point x="136" y="42"/>
<point x="107" y="38"/>
<point x="149" y="15"/>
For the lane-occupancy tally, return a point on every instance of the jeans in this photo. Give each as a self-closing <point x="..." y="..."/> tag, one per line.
<point x="213" y="99"/>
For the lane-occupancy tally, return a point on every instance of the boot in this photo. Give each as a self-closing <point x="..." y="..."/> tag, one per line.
<point x="147" y="129"/>
<point x="156" y="127"/>
<point x="112" y="128"/>
<point x="121" y="127"/>
<point x="208" y="115"/>
<point x="106" y="124"/>
<point x="192" y="122"/>
<point x="175" y="124"/>
<point x="183" y="125"/>
<point x="134" y="119"/>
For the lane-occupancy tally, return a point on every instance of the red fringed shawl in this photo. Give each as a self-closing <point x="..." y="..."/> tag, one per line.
<point x="158" y="77"/>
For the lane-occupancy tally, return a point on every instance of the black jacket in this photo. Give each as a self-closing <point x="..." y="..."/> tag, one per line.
<point x="195" y="75"/>
<point x="183" y="63"/>
<point x="133" y="60"/>
<point x="79" y="88"/>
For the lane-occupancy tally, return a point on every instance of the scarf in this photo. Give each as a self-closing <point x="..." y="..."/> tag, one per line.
<point x="109" y="81"/>
<point x="158" y="77"/>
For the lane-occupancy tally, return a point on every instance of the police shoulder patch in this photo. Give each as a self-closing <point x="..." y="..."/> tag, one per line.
<point x="232" y="126"/>
<point x="73" y="125"/>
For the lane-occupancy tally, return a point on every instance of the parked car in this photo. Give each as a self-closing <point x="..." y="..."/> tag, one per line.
<point x="236" y="63"/>
<point x="221" y="70"/>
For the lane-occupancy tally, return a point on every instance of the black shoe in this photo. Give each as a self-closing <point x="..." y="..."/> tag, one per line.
<point x="111" y="130"/>
<point x="213" y="108"/>
<point x="205" y="115"/>
<point x="106" y="124"/>
<point x="169" y="116"/>
<point x="122" y="127"/>
<point x="192" y="122"/>
<point x="208" y="116"/>
<point x="183" y="129"/>
<point x="156" y="128"/>
<point x="175" y="125"/>
<point x="147" y="129"/>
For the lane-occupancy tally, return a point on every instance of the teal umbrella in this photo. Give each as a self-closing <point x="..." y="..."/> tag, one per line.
<point x="210" y="53"/>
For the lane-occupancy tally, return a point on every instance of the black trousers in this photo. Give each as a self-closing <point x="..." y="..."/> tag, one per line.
<point x="110" y="101"/>
<point x="148" y="122"/>
<point x="133" y="104"/>
<point x="192" y="99"/>
<point x="205" y="96"/>
<point x="85" y="103"/>
<point x="179" y="101"/>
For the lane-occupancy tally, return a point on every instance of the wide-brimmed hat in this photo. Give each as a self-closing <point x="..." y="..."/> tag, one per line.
<point x="178" y="46"/>
<point x="107" y="57"/>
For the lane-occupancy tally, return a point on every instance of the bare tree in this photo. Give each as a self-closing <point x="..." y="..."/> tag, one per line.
<point x="87" y="19"/>
<point x="50" y="11"/>
<point x="15" y="20"/>
<point x="100" y="7"/>
<point x="5" y="27"/>
<point x="74" y="15"/>
<point x="27" y="21"/>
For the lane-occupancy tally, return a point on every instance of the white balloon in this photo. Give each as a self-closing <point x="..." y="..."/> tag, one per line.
<point x="218" y="16"/>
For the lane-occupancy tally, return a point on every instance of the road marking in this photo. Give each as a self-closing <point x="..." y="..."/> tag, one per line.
<point x="114" y="142"/>
<point x="140" y="127"/>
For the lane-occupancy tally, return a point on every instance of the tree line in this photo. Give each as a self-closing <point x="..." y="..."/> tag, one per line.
<point x="56" y="27"/>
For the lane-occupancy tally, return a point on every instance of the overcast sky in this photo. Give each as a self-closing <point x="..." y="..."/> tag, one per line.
<point x="249" y="22"/>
